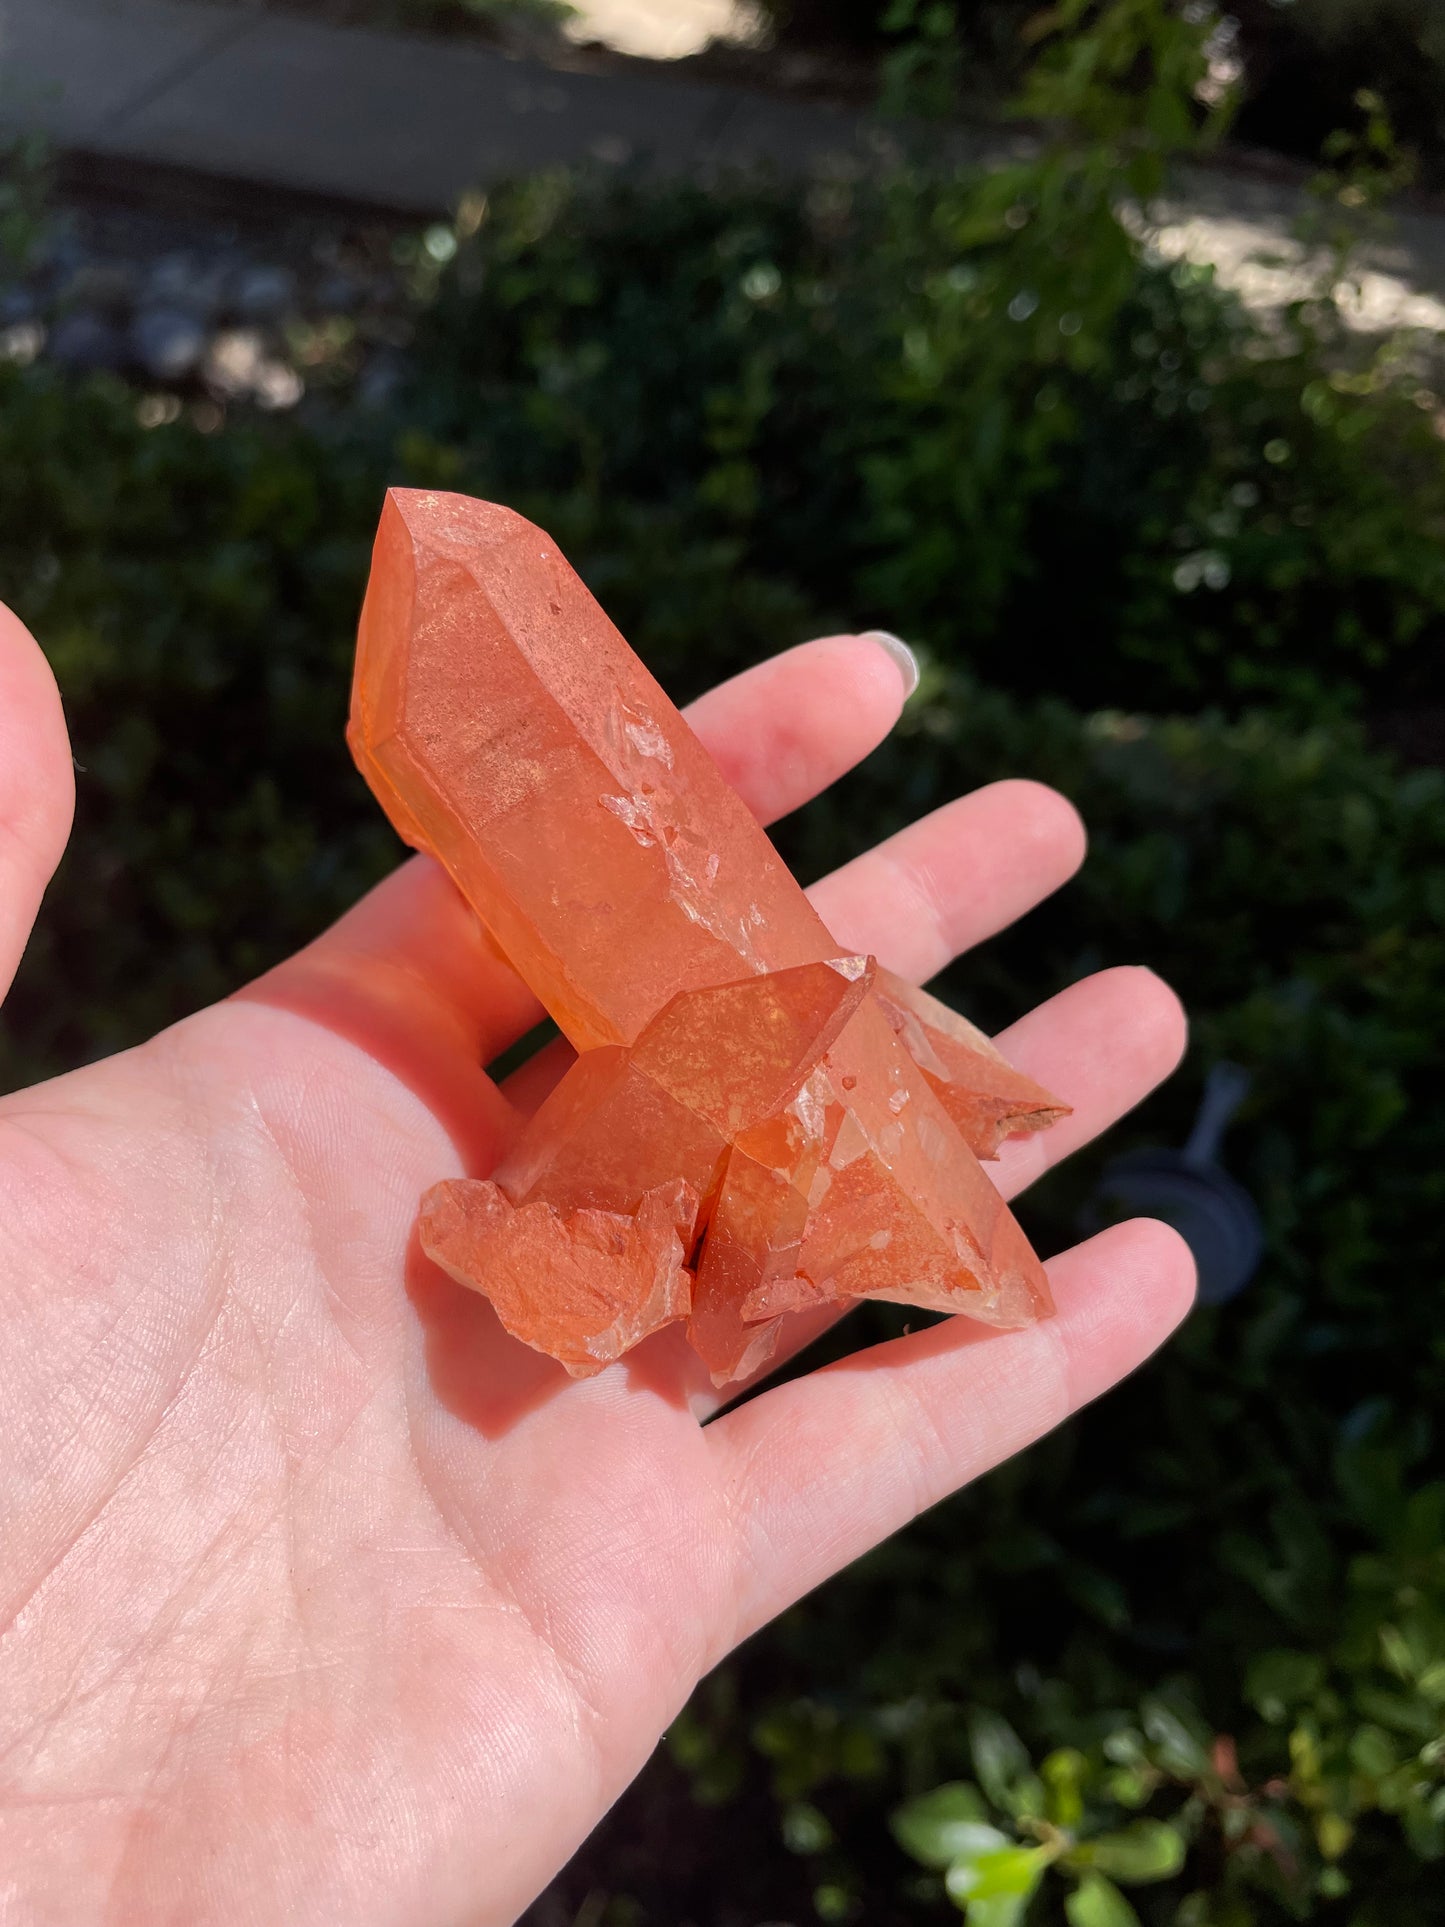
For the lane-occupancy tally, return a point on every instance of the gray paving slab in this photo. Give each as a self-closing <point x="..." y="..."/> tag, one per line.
<point x="789" y="135"/>
<point x="72" y="69"/>
<point x="392" y="119"/>
<point x="403" y="122"/>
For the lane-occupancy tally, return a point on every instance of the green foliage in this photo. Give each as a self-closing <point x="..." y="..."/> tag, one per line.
<point x="1304" y="60"/>
<point x="1127" y="74"/>
<point x="195" y="594"/>
<point x="24" y="199"/>
<point x="949" y="1824"/>
<point x="1248" y="1530"/>
<point x="991" y="1875"/>
<point x="1185" y="1662"/>
<point x="922" y="75"/>
<point x="1097" y="1902"/>
<point x="964" y="406"/>
<point x="1309" y="60"/>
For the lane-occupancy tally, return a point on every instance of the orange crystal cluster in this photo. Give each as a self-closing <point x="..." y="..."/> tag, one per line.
<point x="754" y="1124"/>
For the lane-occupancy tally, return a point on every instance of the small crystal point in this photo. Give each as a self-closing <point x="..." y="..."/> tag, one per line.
<point x="981" y="1091"/>
<point x="585" y="1286"/>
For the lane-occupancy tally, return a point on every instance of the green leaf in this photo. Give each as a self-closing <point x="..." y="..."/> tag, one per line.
<point x="1179" y="1749"/>
<point x="1147" y="1850"/>
<point x="1002" y="1763"/>
<point x="1063" y="1774"/>
<point x="1097" y="1902"/>
<point x="1373" y="1751"/>
<point x="1004" y="1910"/>
<point x="943" y="1826"/>
<point x="1280" y="1680"/>
<point x="805" y="1829"/>
<point x="993" y="1889"/>
<point x="1131" y="1786"/>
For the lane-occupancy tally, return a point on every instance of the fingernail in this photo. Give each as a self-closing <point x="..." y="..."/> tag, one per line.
<point x="904" y="657"/>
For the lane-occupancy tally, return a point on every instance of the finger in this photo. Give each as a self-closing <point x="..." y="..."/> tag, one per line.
<point x="408" y="973"/>
<point x="782" y="731"/>
<point x="37" y="787"/>
<point x="818" y="1471"/>
<point x="412" y="948"/>
<point x="409" y="977"/>
<point x="954" y="878"/>
<point x="1101" y="1045"/>
<point x="531" y="1084"/>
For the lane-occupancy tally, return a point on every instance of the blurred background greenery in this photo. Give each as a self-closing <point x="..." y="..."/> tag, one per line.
<point x="1184" y="1662"/>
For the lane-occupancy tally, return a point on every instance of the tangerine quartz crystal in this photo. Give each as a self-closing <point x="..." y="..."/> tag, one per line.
<point x="755" y="1124"/>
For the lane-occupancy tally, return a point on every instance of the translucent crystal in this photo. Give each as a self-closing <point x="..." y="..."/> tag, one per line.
<point x="754" y="1124"/>
<point x="981" y="1091"/>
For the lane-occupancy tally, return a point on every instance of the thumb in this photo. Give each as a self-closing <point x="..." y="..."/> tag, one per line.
<point x="37" y="787"/>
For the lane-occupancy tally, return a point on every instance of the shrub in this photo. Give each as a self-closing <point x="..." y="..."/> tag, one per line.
<point x="1307" y="62"/>
<point x="1303" y="62"/>
<point x="964" y="407"/>
<point x="196" y="596"/>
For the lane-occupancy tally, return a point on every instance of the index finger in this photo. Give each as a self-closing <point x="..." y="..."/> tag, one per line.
<point x="37" y="787"/>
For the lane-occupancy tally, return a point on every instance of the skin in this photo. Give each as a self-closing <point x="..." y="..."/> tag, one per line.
<point x="323" y="1600"/>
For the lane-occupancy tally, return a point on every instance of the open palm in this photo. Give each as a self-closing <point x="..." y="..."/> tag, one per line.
<point x="323" y="1600"/>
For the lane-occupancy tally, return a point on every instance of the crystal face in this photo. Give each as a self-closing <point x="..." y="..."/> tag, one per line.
<point x="754" y="1123"/>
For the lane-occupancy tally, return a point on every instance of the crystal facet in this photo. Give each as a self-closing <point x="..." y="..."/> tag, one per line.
<point x="754" y="1124"/>
<point x="981" y="1091"/>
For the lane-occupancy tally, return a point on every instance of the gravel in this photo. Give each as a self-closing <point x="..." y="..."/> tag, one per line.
<point x="211" y="309"/>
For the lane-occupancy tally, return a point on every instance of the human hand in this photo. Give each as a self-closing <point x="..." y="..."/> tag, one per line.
<point x="321" y="1599"/>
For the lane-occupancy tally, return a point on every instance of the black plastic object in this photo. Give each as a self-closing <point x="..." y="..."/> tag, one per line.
<point x="1189" y="1189"/>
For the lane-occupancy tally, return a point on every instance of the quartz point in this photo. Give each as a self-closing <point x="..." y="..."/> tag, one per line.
<point x="981" y="1091"/>
<point x="755" y="1124"/>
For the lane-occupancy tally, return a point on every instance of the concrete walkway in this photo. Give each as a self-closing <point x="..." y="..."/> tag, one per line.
<point x="393" y="120"/>
<point x="410" y="123"/>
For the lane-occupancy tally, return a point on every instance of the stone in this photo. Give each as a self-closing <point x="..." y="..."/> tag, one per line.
<point x="381" y="380"/>
<point x="200" y="286"/>
<point x="339" y="293"/>
<point x="239" y="367"/>
<point x="108" y="287"/>
<point x="168" y="343"/>
<point x="755" y="1124"/>
<point x="17" y="304"/>
<point x="623" y="1124"/>
<point x="264" y="293"/>
<point x="88" y="342"/>
<point x="750" y="1243"/>
<point x="897" y="1207"/>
